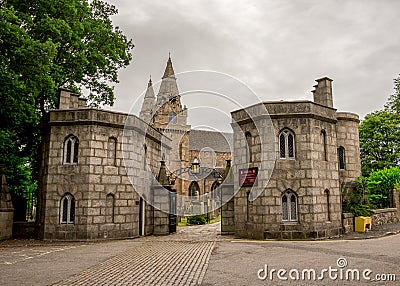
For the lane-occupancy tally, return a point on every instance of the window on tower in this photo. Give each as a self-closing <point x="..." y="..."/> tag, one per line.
<point x="286" y="145"/>
<point x="172" y="118"/>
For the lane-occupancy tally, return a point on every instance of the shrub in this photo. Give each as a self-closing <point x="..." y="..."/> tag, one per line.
<point x="380" y="183"/>
<point x="356" y="201"/>
<point x="197" y="219"/>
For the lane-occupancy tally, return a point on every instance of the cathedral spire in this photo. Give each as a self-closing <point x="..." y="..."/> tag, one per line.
<point x="148" y="106"/>
<point x="168" y="86"/>
<point x="169" y="70"/>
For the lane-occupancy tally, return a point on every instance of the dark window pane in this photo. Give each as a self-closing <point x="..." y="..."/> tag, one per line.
<point x="285" y="214"/>
<point x="293" y="211"/>
<point x="64" y="214"/>
<point x="291" y="145"/>
<point x="249" y="146"/>
<point x="76" y="147"/>
<point x="72" y="211"/>
<point x="282" y="145"/>
<point x="325" y="147"/>
<point x="341" y="158"/>
<point x="69" y="147"/>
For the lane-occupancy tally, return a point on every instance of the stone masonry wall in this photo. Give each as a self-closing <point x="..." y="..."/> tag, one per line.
<point x="97" y="174"/>
<point x="309" y="175"/>
<point x="347" y="137"/>
<point x="384" y="216"/>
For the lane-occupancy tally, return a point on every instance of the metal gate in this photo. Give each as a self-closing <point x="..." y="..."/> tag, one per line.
<point x="172" y="211"/>
<point x="141" y="216"/>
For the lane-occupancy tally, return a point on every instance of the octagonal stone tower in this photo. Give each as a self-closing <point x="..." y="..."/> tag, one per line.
<point x="316" y="149"/>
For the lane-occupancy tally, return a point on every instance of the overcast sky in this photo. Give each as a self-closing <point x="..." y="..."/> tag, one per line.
<point x="276" y="47"/>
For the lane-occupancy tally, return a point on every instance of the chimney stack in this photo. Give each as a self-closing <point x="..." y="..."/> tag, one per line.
<point x="323" y="92"/>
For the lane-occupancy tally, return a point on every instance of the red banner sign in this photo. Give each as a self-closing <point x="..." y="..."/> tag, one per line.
<point x="248" y="177"/>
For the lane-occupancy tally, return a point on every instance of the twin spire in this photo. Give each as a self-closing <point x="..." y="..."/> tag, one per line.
<point x="169" y="70"/>
<point x="168" y="89"/>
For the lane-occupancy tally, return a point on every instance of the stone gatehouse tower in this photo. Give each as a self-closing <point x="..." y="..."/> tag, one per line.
<point x="86" y="192"/>
<point x="316" y="150"/>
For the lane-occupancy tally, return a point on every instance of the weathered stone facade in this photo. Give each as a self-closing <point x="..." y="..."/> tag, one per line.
<point x="384" y="216"/>
<point x="86" y="191"/>
<point x="301" y="198"/>
<point x="6" y="209"/>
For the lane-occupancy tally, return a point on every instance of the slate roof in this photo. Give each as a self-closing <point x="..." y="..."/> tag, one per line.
<point x="218" y="141"/>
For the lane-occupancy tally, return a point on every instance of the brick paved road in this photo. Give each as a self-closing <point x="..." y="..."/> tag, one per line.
<point x="178" y="259"/>
<point x="195" y="254"/>
<point x="155" y="263"/>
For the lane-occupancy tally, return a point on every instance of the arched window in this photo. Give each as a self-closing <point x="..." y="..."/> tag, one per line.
<point x="194" y="189"/>
<point x="172" y="118"/>
<point x="110" y="208"/>
<point x="328" y="205"/>
<point x="71" y="146"/>
<point x="249" y="142"/>
<point x="289" y="206"/>
<point x="341" y="158"/>
<point x="67" y="209"/>
<point x="286" y="145"/>
<point x="325" y="154"/>
<point x="112" y="151"/>
<point x="145" y="156"/>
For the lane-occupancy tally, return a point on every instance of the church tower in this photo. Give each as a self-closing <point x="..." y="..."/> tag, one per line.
<point x="170" y="118"/>
<point x="169" y="111"/>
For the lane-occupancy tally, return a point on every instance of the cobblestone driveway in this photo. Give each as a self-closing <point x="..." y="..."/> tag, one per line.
<point x="177" y="259"/>
<point x="196" y="254"/>
<point x="155" y="263"/>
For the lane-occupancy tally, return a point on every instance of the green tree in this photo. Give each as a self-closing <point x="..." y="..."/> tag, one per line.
<point x="393" y="103"/>
<point x="44" y="45"/>
<point x="380" y="183"/>
<point x="379" y="141"/>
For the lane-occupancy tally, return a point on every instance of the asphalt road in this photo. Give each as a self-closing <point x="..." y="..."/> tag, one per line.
<point x="198" y="254"/>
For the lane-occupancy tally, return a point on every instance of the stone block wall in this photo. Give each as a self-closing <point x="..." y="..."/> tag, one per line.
<point x="348" y="222"/>
<point x="348" y="137"/>
<point x="384" y="216"/>
<point x="161" y="202"/>
<point x="227" y="209"/>
<point x="6" y="208"/>
<point x="312" y="174"/>
<point x="106" y="203"/>
<point x="6" y="224"/>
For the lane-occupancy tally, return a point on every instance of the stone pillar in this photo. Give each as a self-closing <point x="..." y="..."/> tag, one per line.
<point x="6" y="209"/>
<point x="227" y="201"/>
<point x="161" y="201"/>
<point x="227" y="209"/>
<point x="395" y="201"/>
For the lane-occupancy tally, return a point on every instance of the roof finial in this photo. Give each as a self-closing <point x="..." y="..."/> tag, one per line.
<point x="150" y="82"/>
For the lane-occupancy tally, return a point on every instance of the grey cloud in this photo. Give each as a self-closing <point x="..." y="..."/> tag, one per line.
<point x="277" y="47"/>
